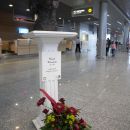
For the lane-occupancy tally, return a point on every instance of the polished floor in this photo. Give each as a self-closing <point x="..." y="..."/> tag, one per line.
<point x="100" y="88"/>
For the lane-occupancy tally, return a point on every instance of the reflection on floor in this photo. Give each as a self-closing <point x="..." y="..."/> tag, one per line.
<point x="100" y="88"/>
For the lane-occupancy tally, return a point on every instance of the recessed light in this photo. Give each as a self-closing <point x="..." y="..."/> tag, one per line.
<point x="17" y="127"/>
<point x="119" y="22"/>
<point x="96" y="23"/>
<point x="10" y="5"/>
<point x="59" y="17"/>
<point x="108" y="24"/>
<point x="27" y="10"/>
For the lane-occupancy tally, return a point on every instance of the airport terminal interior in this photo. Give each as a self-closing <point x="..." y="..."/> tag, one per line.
<point x="86" y="61"/>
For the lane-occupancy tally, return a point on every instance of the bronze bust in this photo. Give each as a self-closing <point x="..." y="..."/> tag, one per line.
<point x="46" y="14"/>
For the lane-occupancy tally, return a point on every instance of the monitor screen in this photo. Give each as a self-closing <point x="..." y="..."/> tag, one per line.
<point x="23" y="30"/>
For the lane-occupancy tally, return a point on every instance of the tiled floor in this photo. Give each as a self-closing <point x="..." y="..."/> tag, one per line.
<point x="101" y="88"/>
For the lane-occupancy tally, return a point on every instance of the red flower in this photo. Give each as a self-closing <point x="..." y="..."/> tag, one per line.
<point x="62" y="100"/>
<point x="72" y="110"/>
<point x="45" y="111"/>
<point x="41" y="101"/>
<point x="82" y="122"/>
<point x="59" y="107"/>
<point x="76" y="127"/>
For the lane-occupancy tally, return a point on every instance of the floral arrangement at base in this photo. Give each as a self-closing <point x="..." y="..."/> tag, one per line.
<point x="61" y="116"/>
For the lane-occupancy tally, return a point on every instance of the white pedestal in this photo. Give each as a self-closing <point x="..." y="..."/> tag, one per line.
<point x="49" y="62"/>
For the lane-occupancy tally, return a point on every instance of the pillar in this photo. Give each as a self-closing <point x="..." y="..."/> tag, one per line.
<point x="126" y="34"/>
<point x="101" y="43"/>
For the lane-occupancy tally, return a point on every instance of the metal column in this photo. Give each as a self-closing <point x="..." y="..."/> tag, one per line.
<point x="101" y="44"/>
<point x="126" y="34"/>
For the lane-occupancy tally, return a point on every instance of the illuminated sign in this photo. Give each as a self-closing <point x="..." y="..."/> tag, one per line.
<point x="78" y="11"/>
<point x="90" y="10"/>
<point x="82" y="11"/>
<point x="23" y="30"/>
<point x="22" y="19"/>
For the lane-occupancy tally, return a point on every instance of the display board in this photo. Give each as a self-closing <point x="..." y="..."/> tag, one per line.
<point x="51" y="65"/>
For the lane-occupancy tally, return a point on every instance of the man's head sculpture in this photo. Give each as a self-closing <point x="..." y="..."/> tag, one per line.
<point x="46" y="14"/>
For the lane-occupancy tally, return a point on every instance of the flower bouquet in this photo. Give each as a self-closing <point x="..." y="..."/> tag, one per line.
<point x="61" y="116"/>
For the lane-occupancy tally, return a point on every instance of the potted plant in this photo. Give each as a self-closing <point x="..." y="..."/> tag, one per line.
<point x="61" y="116"/>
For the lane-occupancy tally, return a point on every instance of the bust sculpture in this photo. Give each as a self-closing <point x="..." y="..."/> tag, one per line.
<point x="46" y="14"/>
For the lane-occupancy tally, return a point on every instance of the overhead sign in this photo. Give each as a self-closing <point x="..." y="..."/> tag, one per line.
<point x="51" y="65"/>
<point x="82" y="11"/>
<point x="90" y="10"/>
<point x="78" y="12"/>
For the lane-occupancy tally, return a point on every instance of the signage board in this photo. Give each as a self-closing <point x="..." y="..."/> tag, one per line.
<point x="82" y="11"/>
<point x="51" y="65"/>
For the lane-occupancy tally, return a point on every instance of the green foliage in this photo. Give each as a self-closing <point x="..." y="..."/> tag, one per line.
<point x="47" y="127"/>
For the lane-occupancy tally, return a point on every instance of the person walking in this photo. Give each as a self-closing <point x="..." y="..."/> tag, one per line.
<point x="113" y="48"/>
<point x="78" y="49"/>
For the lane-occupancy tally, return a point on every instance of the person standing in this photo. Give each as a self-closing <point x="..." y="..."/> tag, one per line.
<point x="108" y="46"/>
<point x="78" y="49"/>
<point x="113" y="48"/>
<point x="107" y="49"/>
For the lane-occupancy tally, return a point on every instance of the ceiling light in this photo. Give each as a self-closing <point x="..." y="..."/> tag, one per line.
<point x="28" y="10"/>
<point x="89" y="18"/>
<point x="108" y="15"/>
<point x="59" y="17"/>
<point x="128" y="14"/>
<point x="10" y="5"/>
<point x="108" y="24"/>
<point x="96" y="23"/>
<point x="119" y="22"/>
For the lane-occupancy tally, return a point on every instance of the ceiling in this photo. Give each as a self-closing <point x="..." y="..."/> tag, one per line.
<point x="120" y="13"/>
<point x="123" y="5"/>
<point x="20" y="7"/>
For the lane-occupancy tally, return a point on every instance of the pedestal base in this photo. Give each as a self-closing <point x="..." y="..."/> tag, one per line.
<point x="50" y="67"/>
<point x="38" y="123"/>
